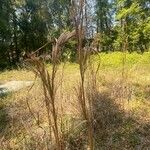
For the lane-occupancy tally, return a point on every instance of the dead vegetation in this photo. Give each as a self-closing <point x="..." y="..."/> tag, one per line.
<point x="115" y="124"/>
<point x="91" y="110"/>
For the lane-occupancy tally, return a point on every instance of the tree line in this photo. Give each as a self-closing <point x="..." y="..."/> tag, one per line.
<point x="26" y="25"/>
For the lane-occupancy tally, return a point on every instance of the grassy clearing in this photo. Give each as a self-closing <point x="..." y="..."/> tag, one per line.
<point x="120" y="121"/>
<point x="20" y="74"/>
<point x="108" y="61"/>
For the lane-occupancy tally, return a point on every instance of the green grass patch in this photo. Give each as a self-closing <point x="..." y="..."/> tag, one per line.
<point x="115" y="59"/>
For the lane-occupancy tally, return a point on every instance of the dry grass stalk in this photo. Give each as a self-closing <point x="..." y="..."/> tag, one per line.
<point x="49" y="85"/>
<point x="83" y="54"/>
<point x="124" y="59"/>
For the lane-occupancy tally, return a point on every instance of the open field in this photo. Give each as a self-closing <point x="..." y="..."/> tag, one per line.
<point x="121" y="106"/>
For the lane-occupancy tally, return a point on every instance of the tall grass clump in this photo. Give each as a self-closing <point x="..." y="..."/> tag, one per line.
<point x="79" y="17"/>
<point x="50" y="86"/>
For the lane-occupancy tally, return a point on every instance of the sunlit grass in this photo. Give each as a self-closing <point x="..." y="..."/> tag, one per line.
<point x="21" y="74"/>
<point x="109" y="61"/>
<point x="136" y="110"/>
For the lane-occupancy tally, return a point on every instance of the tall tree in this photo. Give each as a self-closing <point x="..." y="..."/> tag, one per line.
<point x="4" y="29"/>
<point x="60" y="10"/>
<point x="104" y="22"/>
<point x="33" y="25"/>
<point x="130" y="14"/>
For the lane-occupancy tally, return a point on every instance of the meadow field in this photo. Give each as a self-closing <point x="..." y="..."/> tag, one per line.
<point x="120" y="106"/>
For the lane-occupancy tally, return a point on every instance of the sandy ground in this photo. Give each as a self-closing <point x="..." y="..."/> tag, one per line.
<point x="13" y="86"/>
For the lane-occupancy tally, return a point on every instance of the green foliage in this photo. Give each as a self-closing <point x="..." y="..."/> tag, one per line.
<point x="114" y="59"/>
<point x="26" y="25"/>
<point x="125" y="12"/>
<point x="133" y="24"/>
<point x="5" y="32"/>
